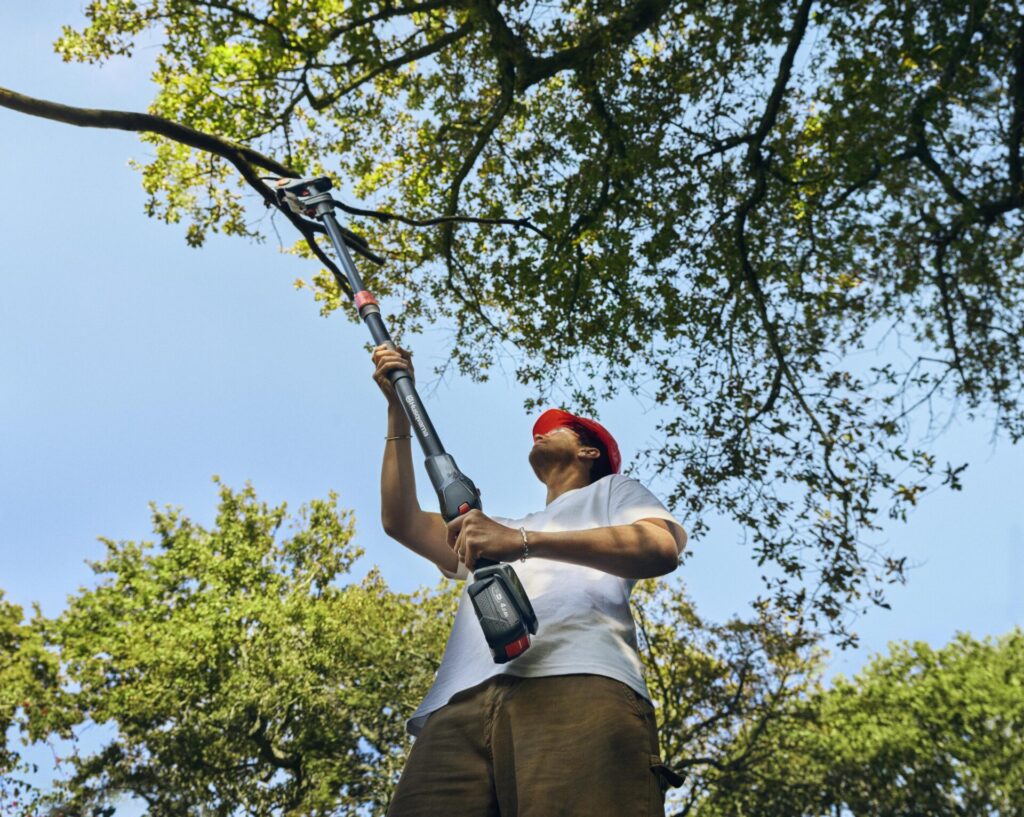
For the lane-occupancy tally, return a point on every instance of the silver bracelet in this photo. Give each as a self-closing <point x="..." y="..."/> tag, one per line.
<point x="526" y="545"/>
<point x="399" y="437"/>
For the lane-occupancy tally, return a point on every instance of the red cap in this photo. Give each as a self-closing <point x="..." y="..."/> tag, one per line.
<point x="556" y="418"/>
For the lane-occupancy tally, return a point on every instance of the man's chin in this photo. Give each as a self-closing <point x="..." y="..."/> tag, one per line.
<point x="539" y="461"/>
<point x="543" y="458"/>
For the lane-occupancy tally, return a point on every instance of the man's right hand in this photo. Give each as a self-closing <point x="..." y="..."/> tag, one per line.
<point x="387" y="360"/>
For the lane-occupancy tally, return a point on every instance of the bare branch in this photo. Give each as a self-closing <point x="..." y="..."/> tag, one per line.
<point x="404" y="59"/>
<point x="139" y="123"/>
<point x="245" y="160"/>
<point x="381" y="215"/>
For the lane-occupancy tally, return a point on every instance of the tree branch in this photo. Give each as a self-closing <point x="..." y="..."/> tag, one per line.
<point x="771" y="109"/>
<point x="511" y="49"/>
<point x="425" y="50"/>
<point x="245" y="160"/>
<point x="918" y="113"/>
<point x="381" y="215"/>
<point x="498" y="112"/>
<point x="270" y="753"/>
<point x="255" y="19"/>
<point x="139" y="123"/>
<point x="757" y="163"/>
<point x="1016" y="131"/>
<point x="618" y="31"/>
<point x="386" y="14"/>
<point x="530" y="69"/>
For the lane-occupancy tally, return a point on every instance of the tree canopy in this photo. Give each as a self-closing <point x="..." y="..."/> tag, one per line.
<point x="240" y="676"/>
<point x="918" y="731"/>
<point x="795" y="228"/>
<point x="239" y="669"/>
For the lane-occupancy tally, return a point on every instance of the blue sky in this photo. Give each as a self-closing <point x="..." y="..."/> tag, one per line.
<point x="133" y="368"/>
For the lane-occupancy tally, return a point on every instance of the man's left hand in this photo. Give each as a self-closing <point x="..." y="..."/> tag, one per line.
<point x="475" y="535"/>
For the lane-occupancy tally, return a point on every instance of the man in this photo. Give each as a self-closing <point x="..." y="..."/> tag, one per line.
<point x="566" y="728"/>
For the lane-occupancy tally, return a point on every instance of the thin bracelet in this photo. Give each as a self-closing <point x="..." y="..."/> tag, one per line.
<point x="399" y="437"/>
<point x="526" y="545"/>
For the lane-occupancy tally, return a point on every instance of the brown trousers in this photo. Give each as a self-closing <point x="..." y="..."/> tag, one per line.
<point x="559" y="746"/>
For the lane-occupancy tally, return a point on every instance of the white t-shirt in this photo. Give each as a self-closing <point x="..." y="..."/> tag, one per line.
<point x="583" y="615"/>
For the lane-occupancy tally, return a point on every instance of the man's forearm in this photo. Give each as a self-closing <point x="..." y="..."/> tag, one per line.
<point x="398" y="503"/>
<point x="637" y="551"/>
<point x="403" y="519"/>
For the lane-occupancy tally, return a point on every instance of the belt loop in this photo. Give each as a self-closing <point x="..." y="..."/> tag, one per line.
<point x="668" y="778"/>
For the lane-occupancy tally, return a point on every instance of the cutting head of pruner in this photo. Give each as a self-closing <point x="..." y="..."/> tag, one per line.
<point x="301" y="195"/>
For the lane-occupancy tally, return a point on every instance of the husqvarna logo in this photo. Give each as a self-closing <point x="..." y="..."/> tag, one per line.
<point x="416" y="414"/>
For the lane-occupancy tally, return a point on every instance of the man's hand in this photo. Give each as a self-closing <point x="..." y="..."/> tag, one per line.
<point x="386" y="359"/>
<point x="475" y="535"/>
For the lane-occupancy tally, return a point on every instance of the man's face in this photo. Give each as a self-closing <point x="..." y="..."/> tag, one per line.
<point x="560" y="446"/>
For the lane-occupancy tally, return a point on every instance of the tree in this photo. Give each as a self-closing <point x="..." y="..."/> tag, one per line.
<point x="27" y="674"/>
<point x="240" y="677"/>
<point x="796" y="227"/>
<point x="918" y="731"/>
<point x="719" y="689"/>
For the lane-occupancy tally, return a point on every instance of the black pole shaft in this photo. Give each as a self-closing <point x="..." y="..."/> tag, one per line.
<point x="370" y="313"/>
<point x="501" y="603"/>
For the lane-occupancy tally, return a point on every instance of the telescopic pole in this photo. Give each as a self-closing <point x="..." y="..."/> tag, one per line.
<point x="501" y="604"/>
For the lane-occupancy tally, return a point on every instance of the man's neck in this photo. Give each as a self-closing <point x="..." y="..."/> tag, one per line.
<point x="563" y="480"/>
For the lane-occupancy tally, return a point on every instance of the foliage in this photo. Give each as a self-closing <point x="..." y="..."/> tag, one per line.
<point x="12" y="634"/>
<point x="239" y="675"/>
<point x="918" y="731"/>
<point x="235" y="674"/>
<point x="27" y="673"/>
<point x="718" y="688"/>
<point x="795" y="227"/>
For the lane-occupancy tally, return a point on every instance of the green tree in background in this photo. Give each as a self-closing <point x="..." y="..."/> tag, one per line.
<point x="235" y="674"/>
<point x="719" y="689"/>
<point x="918" y="731"/>
<point x="240" y="676"/>
<point x="796" y="227"/>
<point x="28" y="674"/>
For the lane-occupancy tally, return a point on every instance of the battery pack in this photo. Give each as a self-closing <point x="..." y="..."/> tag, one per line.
<point x="504" y="611"/>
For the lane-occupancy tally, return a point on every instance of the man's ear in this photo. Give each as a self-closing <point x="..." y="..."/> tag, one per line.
<point x="588" y="453"/>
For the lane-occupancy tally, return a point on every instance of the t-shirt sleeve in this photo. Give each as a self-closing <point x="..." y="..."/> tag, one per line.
<point x="629" y="502"/>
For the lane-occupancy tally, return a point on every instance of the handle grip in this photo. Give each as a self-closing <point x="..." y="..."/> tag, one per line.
<point x="456" y="493"/>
